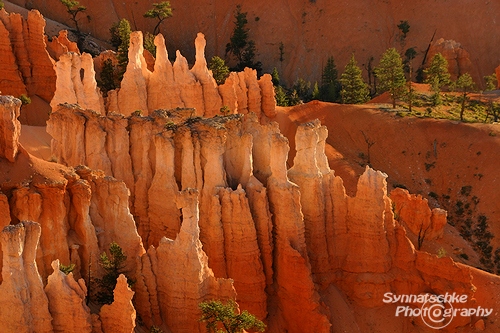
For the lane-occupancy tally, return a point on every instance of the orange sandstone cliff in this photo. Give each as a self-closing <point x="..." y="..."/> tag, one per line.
<point x="309" y="245"/>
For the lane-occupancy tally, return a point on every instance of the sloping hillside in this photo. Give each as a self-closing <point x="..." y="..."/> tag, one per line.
<point x="309" y="30"/>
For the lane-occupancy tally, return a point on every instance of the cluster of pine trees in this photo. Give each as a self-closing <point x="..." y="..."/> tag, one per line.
<point x="393" y="73"/>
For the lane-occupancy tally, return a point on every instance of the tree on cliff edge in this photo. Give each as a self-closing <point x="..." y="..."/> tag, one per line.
<point x="464" y="85"/>
<point x="354" y="89"/>
<point x="124" y="32"/>
<point x="437" y="76"/>
<point x="220" y="71"/>
<point x="216" y="314"/>
<point x="391" y="74"/>
<point x="242" y="49"/>
<point x="160" y="11"/>
<point x="73" y="8"/>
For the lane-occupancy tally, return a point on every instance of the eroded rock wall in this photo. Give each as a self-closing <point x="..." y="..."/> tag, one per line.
<point x="295" y="229"/>
<point x="28" y="67"/>
<point x="167" y="86"/>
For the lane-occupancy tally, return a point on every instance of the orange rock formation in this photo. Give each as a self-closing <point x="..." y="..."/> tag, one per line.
<point x="26" y="66"/>
<point x="458" y="58"/>
<point x="168" y="86"/>
<point x="75" y="224"/>
<point x="119" y="316"/>
<point x="296" y="229"/>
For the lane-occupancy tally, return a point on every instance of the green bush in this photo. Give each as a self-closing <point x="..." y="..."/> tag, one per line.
<point x="217" y="314"/>
<point x="113" y="265"/>
<point x="66" y="269"/>
<point x="25" y="99"/>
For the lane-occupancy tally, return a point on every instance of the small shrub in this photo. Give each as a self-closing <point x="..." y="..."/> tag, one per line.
<point x="137" y="113"/>
<point x="216" y="314"/>
<point x="466" y="190"/>
<point x="66" y="269"/>
<point x="429" y="166"/>
<point x="155" y="329"/>
<point x="25" y="99"/>
<point x="149" y="43"/>
<point x="225" y="110"/>
<point x="170" y="125"/>
<point x="464" y="255"/>
<point x="400" y="186"/>
<point x="433" y="195"/>
<point x="441" y="253"/>
<point x="459" y="208"/>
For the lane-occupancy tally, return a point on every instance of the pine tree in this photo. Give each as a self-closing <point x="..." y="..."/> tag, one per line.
<point x="160" y="11"/>
<point x="354" y="89"/>
<point x="73" y="8"/>
<point x="303" y="89"/>
<point x="149" y="43"/>
<point x="280" y="96"/>
<point x="108" y="78"/>
<point x="242" y="49"/>
<point x="490" y="82"/>
<point x="437" y="76"/>
<point x="239" y="38"/>
<point x="464" y="84"/>
<point x="275" y="77"/>
<point x="391" y="75"/>
<point x="216" y="314"/>
<point x="122" y="56"/>
<point x="315" y="92"/>
<point x="330" y="87"/>
<point x="113" y="265"/>
<point x="220" y="71"/>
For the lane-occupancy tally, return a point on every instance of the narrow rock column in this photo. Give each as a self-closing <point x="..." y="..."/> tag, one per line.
<point x="67" y="302"/>
<point x="10" y="127"/>
<point x="25" y="307"/>
<point x="119" y="316"/>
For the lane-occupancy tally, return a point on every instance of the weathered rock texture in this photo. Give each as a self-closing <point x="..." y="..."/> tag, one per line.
<point x="67" y="302"/>
<point x="10" y="128"/>
<point x="79" y="213"/>
<point x="305" y="29"/>
<point x="119" y="316"/>
<point x="174" y="289"/>
<point x="458" y="58"/>
<point x="167" y="86"/>
<point x="61" y="45"/>
<point x="285" y="237"/>
<point x="28" y="67"/>
<point x="76" y="82"/>
<point x="413" y="212"/>
<point x="25" y="305"/>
